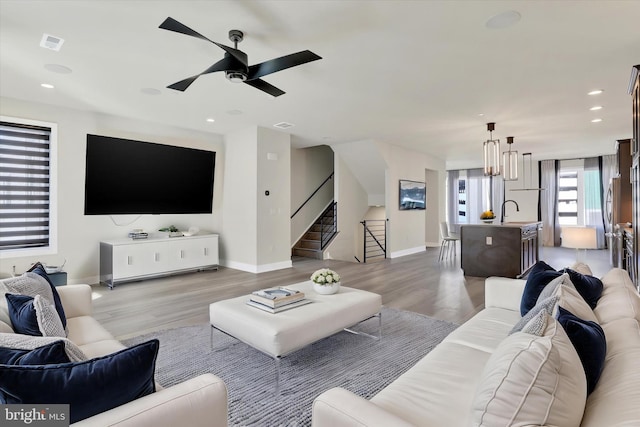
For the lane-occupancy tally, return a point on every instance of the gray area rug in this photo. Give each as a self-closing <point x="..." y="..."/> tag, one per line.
<point x="357" y="363"/>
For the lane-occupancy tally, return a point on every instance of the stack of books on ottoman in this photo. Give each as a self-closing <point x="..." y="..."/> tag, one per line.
<point x="275" y="300"/>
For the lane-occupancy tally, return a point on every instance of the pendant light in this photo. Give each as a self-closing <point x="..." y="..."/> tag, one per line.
<point x="527" y="178"/>
<point x="510" y="162"/>
<point x="491" y="153"/>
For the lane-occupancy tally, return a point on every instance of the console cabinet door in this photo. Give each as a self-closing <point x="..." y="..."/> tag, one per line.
<point x="138" y="260"/>
<point x="193" y="253"/>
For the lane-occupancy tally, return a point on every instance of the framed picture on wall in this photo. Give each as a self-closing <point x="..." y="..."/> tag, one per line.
<point x="413" y="195"/>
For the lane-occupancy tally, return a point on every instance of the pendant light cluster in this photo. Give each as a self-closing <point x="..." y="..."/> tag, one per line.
<point x="491" y="149"/>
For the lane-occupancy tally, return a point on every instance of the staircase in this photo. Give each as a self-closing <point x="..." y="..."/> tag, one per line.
<point x="318" y="235"/>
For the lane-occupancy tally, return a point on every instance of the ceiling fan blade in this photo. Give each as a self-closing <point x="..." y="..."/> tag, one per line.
<point x="265" y="87"/>
<point x="278" y="64"/>
<point x="178" y="27"/>
<point x="226" y="63"/>
<point x="182" y="85"/>
<point x="173" y="25"/>
<point x="221" y="65"/>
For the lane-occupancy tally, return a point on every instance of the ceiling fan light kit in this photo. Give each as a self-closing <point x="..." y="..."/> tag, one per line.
<point x="235" y="63"/>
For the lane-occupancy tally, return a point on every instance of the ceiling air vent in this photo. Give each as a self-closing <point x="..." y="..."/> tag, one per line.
<point x="283" y="125"/>
<point x="51" y="42"/>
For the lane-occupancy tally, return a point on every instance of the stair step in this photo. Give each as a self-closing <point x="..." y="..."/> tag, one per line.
<point x="308" y="253"/>
<point x="312" y="235"/>
<point x="317" y="227"/>
<point x="308" y="244"/>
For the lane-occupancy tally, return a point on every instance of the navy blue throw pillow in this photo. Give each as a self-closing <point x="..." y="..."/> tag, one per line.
<point x="89" y="387"/>
<point x="590" y="343"/>
<point x="38" y="268"/>
<point x="47" y="354"/>
<point x="23" y="315"/>
<point x="539" y="276"/>
<point x="588" y="286"/>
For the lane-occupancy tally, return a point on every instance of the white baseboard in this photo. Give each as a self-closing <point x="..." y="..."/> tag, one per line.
<point x="406" y="252"/>
<point x="433" y="244"/>
<point x="252" y="268"/>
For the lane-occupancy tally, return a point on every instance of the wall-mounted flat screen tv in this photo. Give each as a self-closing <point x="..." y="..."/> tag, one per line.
<point x="134" y="177"/>
<point x="413" y="195"/>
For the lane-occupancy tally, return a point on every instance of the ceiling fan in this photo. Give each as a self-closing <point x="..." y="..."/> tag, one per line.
<point x="235" y="62"/>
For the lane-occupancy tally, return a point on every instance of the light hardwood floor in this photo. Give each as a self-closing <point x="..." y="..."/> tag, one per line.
<point x="416" y="283"/>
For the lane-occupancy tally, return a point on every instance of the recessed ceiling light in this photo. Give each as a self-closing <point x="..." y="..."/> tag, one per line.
<point x="210" y="120"/>
<point x="47" y="85"/>
<point x="503" y="20"/>
<point x="150" y="91"/>
<point x="596" y="120"/>
<point x="595" y="92"/>
<point x="57" y="68"/>
<point x="283" y="125"/>
<point x="481" y="115"/>
<point x="596" y="107"/>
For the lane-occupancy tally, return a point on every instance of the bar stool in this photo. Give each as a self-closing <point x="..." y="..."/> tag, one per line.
<point x="448" y="245"/>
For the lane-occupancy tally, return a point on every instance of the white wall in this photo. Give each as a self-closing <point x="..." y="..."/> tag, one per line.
<point x="274" y="210"/>
<point x="352" y="205"/>
<point x="256" y="226"/>
<point x="79" y="235"/>
<point x="309" y="168"/>
<point x="409" y="231"/>
<point x="436" y="182"/>
<point x="240" y="238"/>
<point x="367" y="165"/>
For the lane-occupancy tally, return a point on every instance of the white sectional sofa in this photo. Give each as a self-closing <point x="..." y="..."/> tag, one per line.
<point x="442" y="389"/>
<point x="201" y="401"/>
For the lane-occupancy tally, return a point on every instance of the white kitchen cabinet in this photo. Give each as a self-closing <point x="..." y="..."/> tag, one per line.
<point x="128" y="260"/>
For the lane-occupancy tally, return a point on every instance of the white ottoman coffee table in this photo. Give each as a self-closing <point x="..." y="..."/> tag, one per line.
<point x="282" y="333"/>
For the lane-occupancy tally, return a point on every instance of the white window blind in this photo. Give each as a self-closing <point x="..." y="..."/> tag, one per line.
<point x="25" y="184"/>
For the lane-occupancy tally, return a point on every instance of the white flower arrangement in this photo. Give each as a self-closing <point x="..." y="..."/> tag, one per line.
<point x="325" y="277"/>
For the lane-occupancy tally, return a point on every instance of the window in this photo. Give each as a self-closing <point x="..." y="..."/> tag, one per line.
<point x="27" y="187"/>
<point x="568" y="198"/>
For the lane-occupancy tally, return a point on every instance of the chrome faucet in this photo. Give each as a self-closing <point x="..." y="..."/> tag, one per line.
<point x="502" y="215"/>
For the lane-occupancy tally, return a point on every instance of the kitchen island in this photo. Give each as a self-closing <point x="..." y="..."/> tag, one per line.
<point x="509" y="249"/>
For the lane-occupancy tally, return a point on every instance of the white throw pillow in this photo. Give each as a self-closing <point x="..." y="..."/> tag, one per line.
<point x="570" y="299"/>
<point x="532" y="381"/>
<point x="582" y="268"/>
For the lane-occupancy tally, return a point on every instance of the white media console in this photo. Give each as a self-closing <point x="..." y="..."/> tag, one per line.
<point x="128" y="260"/>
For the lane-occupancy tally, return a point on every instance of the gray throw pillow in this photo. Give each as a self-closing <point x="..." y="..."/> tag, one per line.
<point x="538" y="324"/>
<point x="542" y="305"/>
<point x="28" y="342"/>
<point x="49" y="322"/>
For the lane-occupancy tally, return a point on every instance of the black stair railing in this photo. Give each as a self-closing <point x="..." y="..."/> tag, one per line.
<point x="313" y="194"/>
<point x="328" y="224"/>
<point x="375" y="238"/>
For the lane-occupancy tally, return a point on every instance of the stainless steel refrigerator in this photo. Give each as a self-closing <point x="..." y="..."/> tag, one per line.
<point x="614" y="214"/>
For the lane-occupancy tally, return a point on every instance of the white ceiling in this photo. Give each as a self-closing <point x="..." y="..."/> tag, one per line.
<point x="410" y="73"/>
